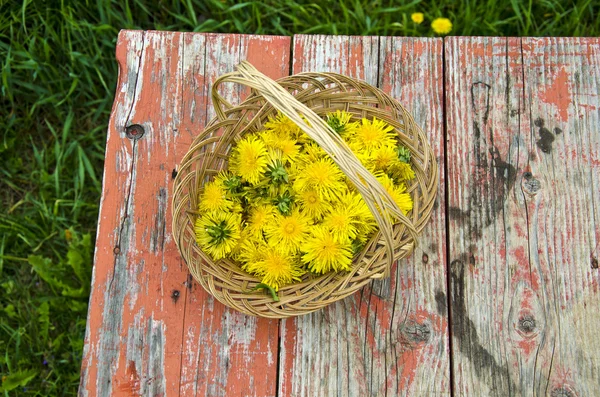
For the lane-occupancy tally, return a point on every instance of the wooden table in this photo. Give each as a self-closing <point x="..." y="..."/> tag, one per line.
<point x="500" y="298"/>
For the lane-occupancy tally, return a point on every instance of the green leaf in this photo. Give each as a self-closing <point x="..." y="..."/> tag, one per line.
<point x="20" y="378"/>
<point x="44" y="319"/>
<point x="264" y="286"/>
<point x="10" y="311"/>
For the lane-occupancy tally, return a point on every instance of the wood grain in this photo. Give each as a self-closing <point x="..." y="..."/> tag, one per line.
<point x="523" y="197"/>
<point x="151" y="331"/>
<point x="391" y="338"/>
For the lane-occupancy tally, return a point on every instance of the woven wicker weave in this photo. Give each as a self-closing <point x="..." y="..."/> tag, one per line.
<point x="312" y="96"/>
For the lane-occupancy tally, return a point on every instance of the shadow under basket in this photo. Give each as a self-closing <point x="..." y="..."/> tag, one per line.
<point x="303" y="97"/>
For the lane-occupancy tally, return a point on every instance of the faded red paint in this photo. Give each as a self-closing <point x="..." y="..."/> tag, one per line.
<point x="558" y="93"/>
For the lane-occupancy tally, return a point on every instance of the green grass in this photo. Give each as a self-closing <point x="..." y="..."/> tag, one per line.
<point x="57" y="83"/>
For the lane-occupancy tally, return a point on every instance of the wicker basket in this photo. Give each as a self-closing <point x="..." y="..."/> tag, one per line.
<point x="312" y="96"/>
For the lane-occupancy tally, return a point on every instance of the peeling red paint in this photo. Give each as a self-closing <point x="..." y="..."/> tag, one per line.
<point x="558" y="93"/>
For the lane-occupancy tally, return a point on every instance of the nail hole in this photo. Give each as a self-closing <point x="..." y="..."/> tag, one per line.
<point x="117" y="250"/>
<point x="134" y="131"/>
<point x="175" y="295"/>
<point x="425" y="258"/>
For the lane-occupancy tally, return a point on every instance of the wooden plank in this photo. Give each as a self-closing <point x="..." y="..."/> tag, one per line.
<point x="227" y="353"/>
<point x="391" y="338"/>
<point x="142" y="318"/>
<point x="523" y="215"/>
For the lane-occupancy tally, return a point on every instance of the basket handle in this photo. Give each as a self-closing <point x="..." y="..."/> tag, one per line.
<point x="374" y="194"/>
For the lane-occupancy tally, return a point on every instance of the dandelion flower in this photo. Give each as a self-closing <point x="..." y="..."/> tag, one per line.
<point x="231" y="183"/>
<point x="340" y="122"/>
<point x="323" y="252"/>
<point x="311" y="203"/>
<point x="217" y="233"/>
<point x="276" y="269"/>
<point x="397" y="192"/>
<point x="371" y="135"/>
<point x="214" y="198"/>
<point x="258" y="218"/>
<point x="383" y="157"/>
<point x="341" y="222"/>
<point x="252" y="250"/>
<point x="362" y="218"/>
<point x="249" y="159"/>
<point x="417" y="17"/>
<point x="282" y="125"/>
<point x="281" y="142"/>
<point x="287" y="233"/>
<point x="401" y="171"/>
<point x="322" y="176"/>
<point x="441" y="25"/>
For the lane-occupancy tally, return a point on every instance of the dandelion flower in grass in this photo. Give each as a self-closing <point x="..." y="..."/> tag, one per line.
<point x="312" y="204"/>
<point x="276" y="268"/>
<point x="397" y="192"/>
<point x="249" y="159"/>
<point x="214" y="198"/>
<point x="287" y="233"/>
<point x="417" y="17"/>
<point x="323" y="252"/>
<point x="258" y="218"/>
<point x="217" y="233"/>
<point x="322" y="176"/>
<point x="372" y="134"/>
<point x="441" y="25"/>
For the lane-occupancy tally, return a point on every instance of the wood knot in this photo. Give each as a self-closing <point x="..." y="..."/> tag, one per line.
<point x="134" y="131"/>
<point x="425" y="258"/>
<point x="594" y="261"/>
<point x="530" y="184"/>
<point x="416" y="332"/>
<point x="175" y="295"/>
<point x="527" y="324"/>
<point x="564" y="391"/>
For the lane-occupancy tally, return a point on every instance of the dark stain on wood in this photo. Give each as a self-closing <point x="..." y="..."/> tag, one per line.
<point x="174" y="173"/>
<point x="465" y="334"/>
<point x="425" y="258"/>
<point x="546" y="137"/>
<point x="594" y="261"/>
<point x="441" y="303"/>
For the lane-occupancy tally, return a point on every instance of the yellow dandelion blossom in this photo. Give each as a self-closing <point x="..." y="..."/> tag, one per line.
<point x="323" y="252"/>
<point x="287" y="233"/>
<point x="362" y="218"/>
<point x="249" y="159"/>
<point x="282" y="125"/>
<point x="217" y="233"/>
<point x="322" y="176"/>
<point x="401" y="171"/>
<point x="312" y="204"/>
<point x="287" y="147"/>
<point x="258" y="218"/>
<point x="417" y="17"/>
<point x="441" y="25"/>
<point x="340" y="122"/>
<point x="311" y="152"/>
<point x="371" y="135"/>
<point x="276" y="268"/>
<point x="397" y="192"/>
<point x="214" y="198"/>
<point x="383" y="157"/>
<point x="252" y="250"/>
<point x="341" y="222"/>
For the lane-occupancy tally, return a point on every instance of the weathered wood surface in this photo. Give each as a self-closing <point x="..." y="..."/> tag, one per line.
<point x="521" y="227"/>
<point x="524" y="214"/>
<point x="151" y="330"/>
<point x="390" y="339"/>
